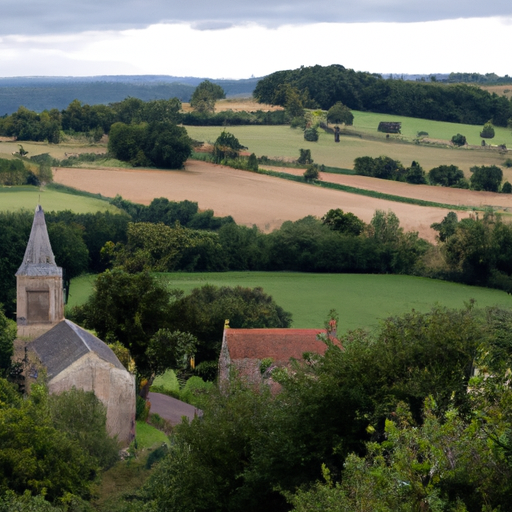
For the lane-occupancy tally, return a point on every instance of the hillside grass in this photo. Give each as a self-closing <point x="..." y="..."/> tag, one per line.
<point x="52" y="199"/>
<point x="361" y="300"/>
<point x="285" y="142"/>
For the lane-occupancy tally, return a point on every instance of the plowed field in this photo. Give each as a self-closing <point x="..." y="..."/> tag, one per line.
<point x="248" y="197"/>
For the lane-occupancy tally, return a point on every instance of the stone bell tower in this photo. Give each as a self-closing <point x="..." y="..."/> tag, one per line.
<point x="40" y="303"/>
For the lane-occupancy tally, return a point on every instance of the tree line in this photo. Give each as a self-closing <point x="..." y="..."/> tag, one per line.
<point x="323" y="86"/>
<point x="484" y="177"/>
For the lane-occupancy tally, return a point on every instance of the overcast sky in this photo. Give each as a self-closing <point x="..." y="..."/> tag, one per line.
<point x="237" y="39"/>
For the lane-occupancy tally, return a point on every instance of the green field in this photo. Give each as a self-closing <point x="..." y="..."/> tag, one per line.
<point x="283" y="141"/>
<point x="28" y="197"/>
<point x="360" y="300"/>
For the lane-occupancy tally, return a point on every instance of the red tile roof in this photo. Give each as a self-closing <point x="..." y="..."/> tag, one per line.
<point x="278" y="344"/>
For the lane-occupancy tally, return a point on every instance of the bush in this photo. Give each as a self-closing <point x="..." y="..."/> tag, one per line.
<point x="339" y="113"/>
<point x="506" y="188"/>
<point x="508" y="162"/>
<point x="252" y="163"/>
<point x="305" y="157"/>
<point x="445" y="175"/>
<point x="142" y="409"/>
<point x="226" y="146"/>
<point x="459" y="140"/>
<point x="311" y="173"/>
<point x="422" y="134"/>
<point x="487" y="131"/>
<point x="311" y="134"/>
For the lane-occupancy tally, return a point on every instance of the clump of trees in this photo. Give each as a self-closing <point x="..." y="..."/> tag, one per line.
<point x="227" y="146"/>
<point x="447" y="176"/>
<point x="389" y="169"/>
<point x="158" y="144"/>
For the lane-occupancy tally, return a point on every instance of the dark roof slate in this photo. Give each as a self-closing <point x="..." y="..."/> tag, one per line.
<point x="278" y="344"/>
<point x="39" y="259"/>
<point x="66" y="343"/>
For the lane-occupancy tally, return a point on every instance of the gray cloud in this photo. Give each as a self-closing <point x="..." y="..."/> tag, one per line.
<point x="58" y="16"/>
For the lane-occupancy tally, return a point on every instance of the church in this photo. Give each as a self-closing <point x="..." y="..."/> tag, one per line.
<point x="66" y="354"/>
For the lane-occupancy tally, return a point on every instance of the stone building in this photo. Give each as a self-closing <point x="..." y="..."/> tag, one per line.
<point x="66" y="354"/>
<point x="244" y="350"/>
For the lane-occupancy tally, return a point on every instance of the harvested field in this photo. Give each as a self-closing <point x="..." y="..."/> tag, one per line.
<point x="238" y="105"/>
<point x="444" y="195"/>
<point x="248" y="197"/>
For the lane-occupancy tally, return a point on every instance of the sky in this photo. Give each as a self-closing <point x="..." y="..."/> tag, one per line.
<point x="244" y="38"/>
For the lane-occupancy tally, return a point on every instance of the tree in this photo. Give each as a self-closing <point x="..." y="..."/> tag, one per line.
<point x="487" y="131"/>
<point x="459" y="140"/>
<point x="339" y="113"/>
<point x="312" y="173"/>
<point x="346" y="223"/>
<point x="446" y="227"/>
<point x="226" y="146"/>
<point x="204" y="311"/>
<point x="506" y="188"/>
<point x="445" y="175"/>
<point x="205" y="95"/>
<point x="486" y="178"/>
<point x="415" y="174"/>
<point x="8" y="334"/>
<point x="130" y="308"/>
<point x="305" y="156"/>
<point x="311" y="134"/>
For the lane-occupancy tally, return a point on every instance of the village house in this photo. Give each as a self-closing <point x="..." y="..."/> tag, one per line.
<point x="252" y="354"/>
<point x="61" y="351"/>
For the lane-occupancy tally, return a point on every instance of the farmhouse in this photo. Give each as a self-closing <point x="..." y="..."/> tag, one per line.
<point x="253" y="353"/>
<point x="67" y="355"/>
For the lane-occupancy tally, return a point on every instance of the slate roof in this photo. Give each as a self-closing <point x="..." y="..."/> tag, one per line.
<point x="39" y="259"/>
<point x="278" y="344"/>
<point x="66" y="343"/>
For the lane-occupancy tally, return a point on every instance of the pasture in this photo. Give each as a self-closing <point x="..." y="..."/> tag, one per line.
<point x="28" y="197"/>
<point x="361" y="300"/>
<point x="285" y="142"/>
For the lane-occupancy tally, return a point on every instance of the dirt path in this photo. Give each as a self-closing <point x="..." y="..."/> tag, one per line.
<point x="248" y="197"/>
<point x="444" y="195"/>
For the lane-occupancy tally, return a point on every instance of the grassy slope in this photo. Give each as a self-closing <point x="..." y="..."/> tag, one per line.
<point x="360" y="300"/>
<point x="14" y="198"/>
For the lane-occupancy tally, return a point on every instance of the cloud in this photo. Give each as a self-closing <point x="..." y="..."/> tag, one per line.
<point x="65" y="16"/>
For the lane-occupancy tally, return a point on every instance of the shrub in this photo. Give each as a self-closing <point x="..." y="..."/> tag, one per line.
<point x="508" y="162"/>
<point x="487" y="131"/>
<point x="252" y="163"/>
<point x="311" y="173"/>
<point x="459" y="140"/>
<point x="422" y="134"/>
<point x="142" y="409"/>
<point x="311" y="134"/>
<point x="506" y="188"/>
<point x="305" y="157"/>
<point x="340" y="113"/>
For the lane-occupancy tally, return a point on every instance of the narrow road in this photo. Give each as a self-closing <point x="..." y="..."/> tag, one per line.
<point x="171" y="409"/>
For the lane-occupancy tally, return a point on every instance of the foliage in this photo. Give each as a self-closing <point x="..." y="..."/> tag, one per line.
<point x="446" y="227"/>
<point x="382" y="167"/>
<point x="311" y="134"/>
<point x="346" y="223"/>
<point x="83" y="418"/>
<point x="459" y="140"/>
<point x="226" y="146"/>
<point x="326" y="85"/>
<point x="415" y="174"/>
<point x="487" y="131"/>
<point x="130" y="308"/>
<point x="305" y="157"/>
<point x="170" y="349"/>
<point x="252" y="162"/>
<point x="36" y="456"/>
<point x="14" y="172"/>
<point x="506" y="188"/>
<point x="161" y="144"/>
<point x="204" y="96"/>
<point x="486" y="178"/>
<point x="8" y="332"/>
<point x="312" y="173"/>
<point x="339" y="113"/>
<point x="445" y="175"/>
<point x="205" y="310"/>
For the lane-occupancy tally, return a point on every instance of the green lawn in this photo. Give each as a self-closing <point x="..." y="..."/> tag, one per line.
<point x="148" y="436"/>
<point x="15" y="198"/>
<point x="360" y="300"/>
<point x="283" y="141"/>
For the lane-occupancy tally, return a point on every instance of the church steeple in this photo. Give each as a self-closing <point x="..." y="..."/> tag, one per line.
<point x="39" y="258"/>
<point x="39" y="283"/>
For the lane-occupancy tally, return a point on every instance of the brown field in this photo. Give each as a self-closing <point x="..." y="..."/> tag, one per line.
<point x="501" y="90"/>
<point x="248" y="197"/>
<point x="425" y="192"/>
<point x="238" y="105"/>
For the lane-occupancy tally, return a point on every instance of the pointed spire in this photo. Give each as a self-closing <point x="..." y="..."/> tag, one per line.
<point x="39" y="258"/>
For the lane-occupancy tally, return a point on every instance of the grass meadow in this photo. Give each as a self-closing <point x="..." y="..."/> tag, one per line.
<point x="285" y="142"/>
<point x="28" y="197"/>
<point x="361" y="300"/>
